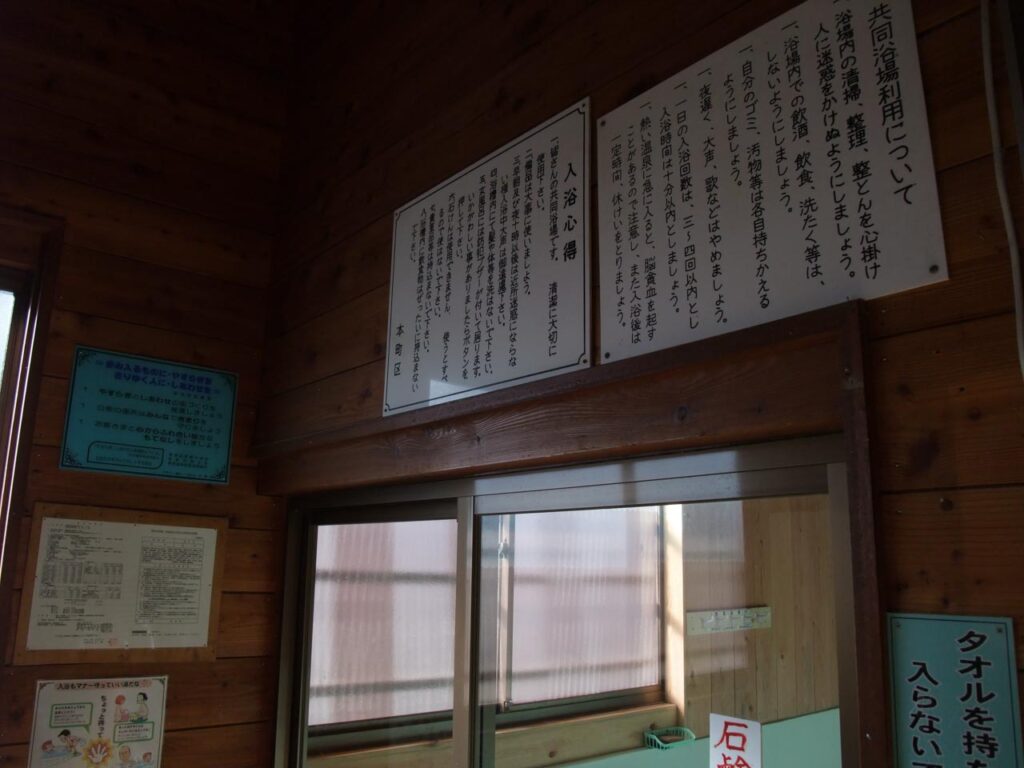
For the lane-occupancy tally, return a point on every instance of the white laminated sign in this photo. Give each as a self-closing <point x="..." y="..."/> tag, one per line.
<point x="116" y="722"/>
<point x="490" y="280"/>
<point x="734" y="742"/>
<point x="786" y="172"/>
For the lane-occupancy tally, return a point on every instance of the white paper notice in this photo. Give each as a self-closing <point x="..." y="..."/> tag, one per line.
<point x="118" y="723"/>
<point x="734" y="742"/>
<point x="121" y="585"/>
<point x="786" y="172"/>
<point x="490" y="276"/>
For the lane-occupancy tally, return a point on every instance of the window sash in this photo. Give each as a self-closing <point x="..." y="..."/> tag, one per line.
<point x="790" y="467"/>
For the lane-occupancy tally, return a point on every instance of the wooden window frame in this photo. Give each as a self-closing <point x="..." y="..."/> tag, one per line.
<point x="795" y="377"/>
<point x="30" y="246"/>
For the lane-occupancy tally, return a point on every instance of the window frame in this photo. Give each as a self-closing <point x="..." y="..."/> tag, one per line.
<point x="789" y="467"/>
<point x="30" y="246"/>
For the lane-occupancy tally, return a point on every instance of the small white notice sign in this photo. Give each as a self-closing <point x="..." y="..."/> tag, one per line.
<point x="734" y="742"/>
<point x="111" y="585"/>
<point x="112" y="722"/>
<point x="490" y="276"/>
<point x="786" y="172"/>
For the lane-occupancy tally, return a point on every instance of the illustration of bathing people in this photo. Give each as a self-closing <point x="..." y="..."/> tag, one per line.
<point x="121" y="714"/>
<point x="141" y="713"/>
<point x="72" y="743"/>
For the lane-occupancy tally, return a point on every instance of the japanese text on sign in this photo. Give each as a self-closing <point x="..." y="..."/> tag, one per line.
<point x="106" y="722"/>
<point x="490" y="272"/>
<point x="954" y="692"/>
<point x="735" y="743"/>
<point x="109" y="585"/>
<point x="139" y="416"/>
<point x="786" y="172"/>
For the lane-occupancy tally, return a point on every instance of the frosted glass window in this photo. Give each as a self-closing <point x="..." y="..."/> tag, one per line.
<point x="585" y="610"/>
<point x="383" y="621"/>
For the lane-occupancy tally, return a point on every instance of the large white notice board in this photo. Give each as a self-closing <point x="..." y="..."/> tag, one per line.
<point x="788" y="171"/>
<point x="490" y="276"/>
<point x="120" y="583"/>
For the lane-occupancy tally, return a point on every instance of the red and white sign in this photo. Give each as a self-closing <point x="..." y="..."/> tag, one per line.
<point x="735" y="743"/>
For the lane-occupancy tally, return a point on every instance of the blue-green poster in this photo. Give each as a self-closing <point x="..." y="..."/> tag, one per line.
<point x="138" y="416"/>
<point x="954" y="687"/>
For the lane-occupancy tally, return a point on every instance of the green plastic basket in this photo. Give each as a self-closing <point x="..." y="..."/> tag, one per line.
<point x="674" y="737"/>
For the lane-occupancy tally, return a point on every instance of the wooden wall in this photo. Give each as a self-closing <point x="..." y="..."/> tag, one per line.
<point x="154" y="131"/>
<point x="774" y="552"/>
<point x="391" y="104"/>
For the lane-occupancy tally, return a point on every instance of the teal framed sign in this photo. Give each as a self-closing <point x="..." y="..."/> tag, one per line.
<point x="954" y="689"/>
<point x="134" y="415"/>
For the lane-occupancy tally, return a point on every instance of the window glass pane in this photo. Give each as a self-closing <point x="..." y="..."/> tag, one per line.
<point x="772" y="553"/>
<point x="6" y="312"/>
<point x="585" y="613"/>
<point x="736" y="597"/>
<point x="383" y="621"/>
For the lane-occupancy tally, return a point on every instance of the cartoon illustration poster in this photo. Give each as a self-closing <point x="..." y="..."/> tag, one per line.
<point x="115" y="723"/>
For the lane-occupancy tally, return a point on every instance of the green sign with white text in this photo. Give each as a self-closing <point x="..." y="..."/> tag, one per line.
<point x="954" y="690"/>
<point x="135" y="415"/>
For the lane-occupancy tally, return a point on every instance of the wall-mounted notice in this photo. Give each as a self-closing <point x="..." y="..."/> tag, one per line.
<point x="490" y="275"/>
<point x="118" y="723"/>
<point x="138" y="416"/>
<point x="728" y="620"/>
<point x="954" y="690"/>
<point x="111" y="580"/>
<point x="734" y="742"/>
<point x="786" y="172"/>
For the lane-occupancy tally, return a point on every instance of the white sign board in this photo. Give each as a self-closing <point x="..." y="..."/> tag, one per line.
<point x="728" y="620"/>
<point x="108" y="585"/>
<point x="116" y="722"/>
<point x="735" y="743"/>
<point x="788" y="171"/>
<point x="490" y="276"/>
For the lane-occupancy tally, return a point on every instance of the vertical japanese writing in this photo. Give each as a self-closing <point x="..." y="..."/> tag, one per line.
<point x="464" y="317"/>
<point x="890" y="99"/>
<point x="669" y="192"/>
<point x="755" y="178"/>
<point x="428" y="277"/>
<point x="617" y="225"/>
<point x="514" y="276"/>
<point x="527" y="220"/>
<point x="467" y="304"/>
<point x="978" y="738"/>
<point x="801" y="155"/>
<point x="553" y="201"/>
<point x="552" y="318"/>
<point x="856" y="137"/>
<point x="481" y="266"/>
<point x="686" y="201"/>
<point x="503" y="222"/>
<point x="492" y="258"/>
<point x="570" y="202"/>
<point x="712" y="193"/>
<point x="633" y="201"/>
<point x="925" y="722"/>
<point x="730" y="744"/>
<point x="732" y="131"/>
<point x="650" y="268"/>
<point x="421" y="255"/>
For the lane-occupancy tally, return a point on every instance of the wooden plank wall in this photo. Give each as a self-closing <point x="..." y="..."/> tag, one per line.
<point x="155" y="130"/>
<point x="772" y="552"/>
<point x="391" y="104"/>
